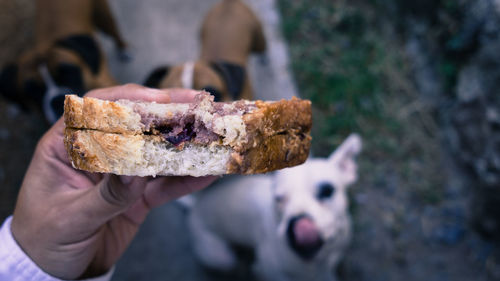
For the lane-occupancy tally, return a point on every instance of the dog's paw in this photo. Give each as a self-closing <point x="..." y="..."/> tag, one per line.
<point x="210" y="249"/>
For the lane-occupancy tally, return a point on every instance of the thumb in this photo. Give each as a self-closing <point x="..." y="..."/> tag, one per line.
<point x="112" y="196"/>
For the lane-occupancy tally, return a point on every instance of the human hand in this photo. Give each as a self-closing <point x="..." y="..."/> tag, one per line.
<point x="75" y="224"/>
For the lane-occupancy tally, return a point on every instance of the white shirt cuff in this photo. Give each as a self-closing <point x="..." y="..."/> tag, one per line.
<point x="15" y="265"/>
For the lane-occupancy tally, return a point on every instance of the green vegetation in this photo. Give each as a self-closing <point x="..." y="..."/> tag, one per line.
<point x="349" y="63"/>
<point x="337" y="65"/>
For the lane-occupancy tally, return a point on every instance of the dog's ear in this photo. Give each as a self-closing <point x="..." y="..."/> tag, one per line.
<point x="344" y="158"/>
<point x="86" y="47"/>
<point x="234" y="75"/>
<point x="70" y="76"/>
<point x="154" y="79"/>
<point x="34" y="90"/>
<point x="8" y="78"/>
<point x="30" y="89"/>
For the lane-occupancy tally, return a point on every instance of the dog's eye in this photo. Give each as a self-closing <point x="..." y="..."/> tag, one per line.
<point x="325" y="191"/>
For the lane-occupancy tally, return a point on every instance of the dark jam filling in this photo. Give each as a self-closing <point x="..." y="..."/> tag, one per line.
<point x="187" y="134"/>
<point x="184" y="130"/>
<point x="183" y="127"/>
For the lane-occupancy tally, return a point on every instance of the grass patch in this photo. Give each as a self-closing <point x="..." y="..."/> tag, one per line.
<point x="336" y="65"/>
<point x="351" y="66"/>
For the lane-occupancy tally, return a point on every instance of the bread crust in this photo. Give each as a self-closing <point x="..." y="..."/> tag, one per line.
<point x="267" y="119"/>
<point x="273" y="153"/>
<point x="102" y="115"/>
<point x="290" y="117"/>
<point x="96" y="151"/>
<point x="108" y="137"/>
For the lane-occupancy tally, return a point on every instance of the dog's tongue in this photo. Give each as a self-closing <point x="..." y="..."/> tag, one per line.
<point x="306" y="232"/>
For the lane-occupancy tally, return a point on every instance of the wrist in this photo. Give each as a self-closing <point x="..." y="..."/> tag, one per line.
<point x="17" y="265"/>
<point x="15" y="262"/>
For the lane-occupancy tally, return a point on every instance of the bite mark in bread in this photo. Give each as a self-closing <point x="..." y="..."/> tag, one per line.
<point x="201" y="138"/>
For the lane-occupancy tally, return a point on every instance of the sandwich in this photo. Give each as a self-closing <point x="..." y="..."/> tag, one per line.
<point x="197" y="139"/>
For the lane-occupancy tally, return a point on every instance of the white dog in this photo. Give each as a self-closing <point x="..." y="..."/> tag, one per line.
<point x="296" y="219"/>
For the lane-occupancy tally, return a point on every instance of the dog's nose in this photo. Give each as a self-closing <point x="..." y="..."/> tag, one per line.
<point x="305" y="231"/>
<point x="304" y="237"/>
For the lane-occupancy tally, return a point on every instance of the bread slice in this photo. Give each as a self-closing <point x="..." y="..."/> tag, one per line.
<point x="202" y="138"/>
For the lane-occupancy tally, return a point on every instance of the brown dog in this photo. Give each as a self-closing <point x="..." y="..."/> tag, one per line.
<point x="229" y="34"/>
<point x="65" y="43"/>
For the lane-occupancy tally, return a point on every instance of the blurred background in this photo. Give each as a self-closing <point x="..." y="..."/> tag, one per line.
<point x="418" y="80"/>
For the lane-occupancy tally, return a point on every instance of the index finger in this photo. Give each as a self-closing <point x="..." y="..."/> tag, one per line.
<point x="136" y="92"/>
<point x="54" y="137"/>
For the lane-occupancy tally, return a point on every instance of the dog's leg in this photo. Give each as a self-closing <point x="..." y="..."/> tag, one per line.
<point x="211" y="250"/>
<point x="20" y="82"/>
<point x="259" y="44"/>
<point x="105" y="22"/>
<point x="268" y="265"/>
<point x="247" y="91"/>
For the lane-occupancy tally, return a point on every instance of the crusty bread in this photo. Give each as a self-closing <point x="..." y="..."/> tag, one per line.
<point x="202" y="138"/>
